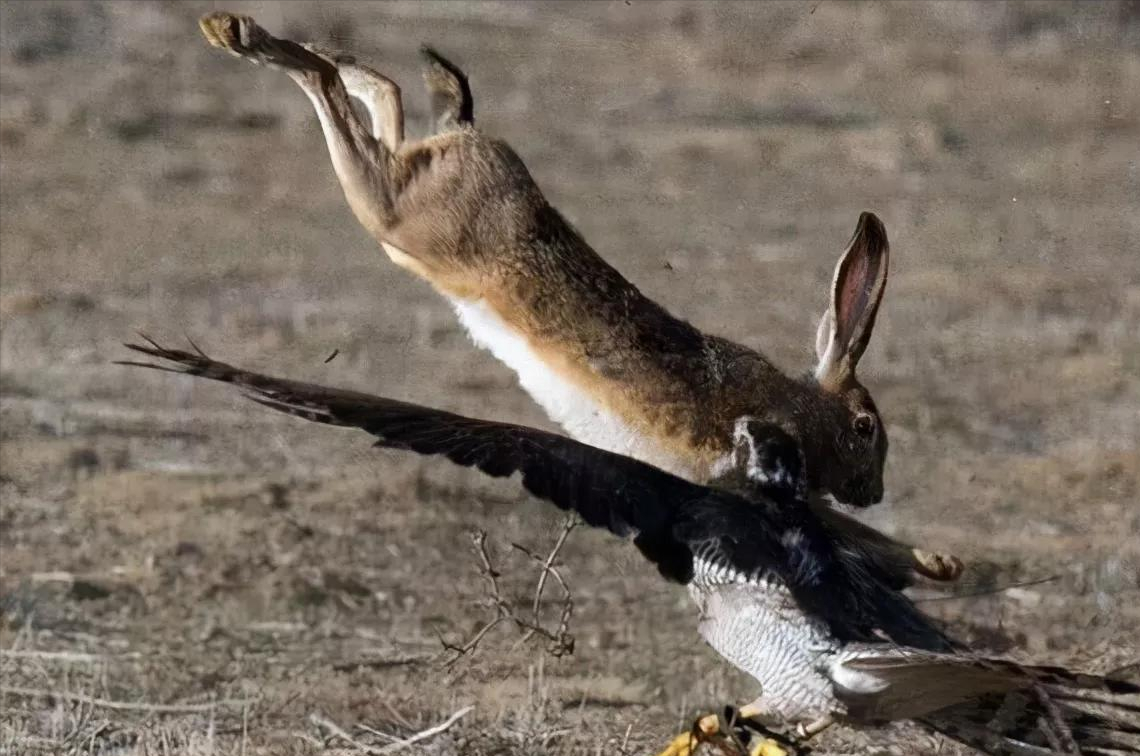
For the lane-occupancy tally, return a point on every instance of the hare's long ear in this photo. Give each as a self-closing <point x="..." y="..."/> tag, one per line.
<point x="860" y="279"/>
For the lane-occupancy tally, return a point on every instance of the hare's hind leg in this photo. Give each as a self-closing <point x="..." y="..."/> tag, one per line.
<point x="367" y="169"/>
<point x="376" y="92"/>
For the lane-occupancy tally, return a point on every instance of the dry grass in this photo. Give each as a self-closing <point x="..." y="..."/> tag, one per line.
<point x="165" y="545"/>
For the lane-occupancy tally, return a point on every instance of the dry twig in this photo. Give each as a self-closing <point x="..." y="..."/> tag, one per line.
<point x="429" y="732"/>
<point x="65" y="656"/>
<point x="989" y="591"/>
<point x="561" y="641"/>
<point x="479" y="538"/>
<point x="400" y="744"/>
<point x="324" y="722"/>
<point x="104" y="703"/>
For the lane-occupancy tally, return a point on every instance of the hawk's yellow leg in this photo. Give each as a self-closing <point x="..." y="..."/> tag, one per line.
<point x="687" y="742"/>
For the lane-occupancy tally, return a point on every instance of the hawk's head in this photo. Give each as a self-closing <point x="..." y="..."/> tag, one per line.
<point x="769" y="458"/>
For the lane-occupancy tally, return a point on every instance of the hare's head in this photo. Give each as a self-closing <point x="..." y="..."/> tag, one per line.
<point x="850" y="442"/>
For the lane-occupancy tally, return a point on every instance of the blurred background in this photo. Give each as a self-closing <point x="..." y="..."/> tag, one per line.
<point x="166" y="544"/>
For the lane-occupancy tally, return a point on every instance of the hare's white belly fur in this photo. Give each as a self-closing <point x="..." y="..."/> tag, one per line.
<point x="582" y="416"/>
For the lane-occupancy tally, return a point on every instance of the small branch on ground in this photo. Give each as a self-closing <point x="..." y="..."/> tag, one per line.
<point x="74" y="657"/>
<point x="399" y="744"/>
<point x="989" y="591"/>
<point x="327" y="724"/>
<point x="103" y="703"/>
<point x="561" y="642"/>
<point x="429" y="732"/>
<point x="469" y="646"/>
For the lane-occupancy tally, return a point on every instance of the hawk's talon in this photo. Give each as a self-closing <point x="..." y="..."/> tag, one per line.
<point x="733" y="734"/>
<point x="733" y="729"/>
<point x="772" y="742"/>
<point x="686" y="743"/>
<point x="682" y="745"/>
<point x="769" y="747"/>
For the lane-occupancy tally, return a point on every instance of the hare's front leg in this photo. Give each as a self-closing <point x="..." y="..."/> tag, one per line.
<point x="370" y="173"/>
<point x="935" y="566"/>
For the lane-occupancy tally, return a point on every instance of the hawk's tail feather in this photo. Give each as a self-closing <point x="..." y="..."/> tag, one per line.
<point x="1066" y="678"/>
<point x="997" y="706"/>
<point x="901" y="664"/>
<point x="1064" y="695"/>
<point x="1024" y="723"/>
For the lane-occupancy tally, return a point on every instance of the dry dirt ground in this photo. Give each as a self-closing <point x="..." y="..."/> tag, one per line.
<point x="184" y="572"/>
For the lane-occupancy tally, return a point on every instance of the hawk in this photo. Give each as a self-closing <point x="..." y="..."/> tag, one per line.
<point x="822" y="630"/>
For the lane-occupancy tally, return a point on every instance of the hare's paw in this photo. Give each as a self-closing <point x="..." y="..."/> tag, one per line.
<point x="231" y="32"/>
<point x="242" y="37"/>
<point x="941" y="567"/>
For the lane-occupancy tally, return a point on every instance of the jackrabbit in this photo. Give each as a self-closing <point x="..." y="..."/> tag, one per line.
<point x="614" y="368"/>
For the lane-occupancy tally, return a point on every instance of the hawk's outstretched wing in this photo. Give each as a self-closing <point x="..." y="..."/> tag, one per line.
<point x="620" y="494"/>
<point x="669" y="518"/>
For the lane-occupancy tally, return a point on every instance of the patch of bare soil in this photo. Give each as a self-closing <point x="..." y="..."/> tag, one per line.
<point x="183" y="572"/>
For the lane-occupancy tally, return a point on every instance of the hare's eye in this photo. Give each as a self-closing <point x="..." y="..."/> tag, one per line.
<point x="864" y="424"/>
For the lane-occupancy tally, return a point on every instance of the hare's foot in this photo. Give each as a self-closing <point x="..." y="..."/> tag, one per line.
<point x="242" y="36"/>
<point x="369" y="173"/>
<point x="941" y="567"/>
